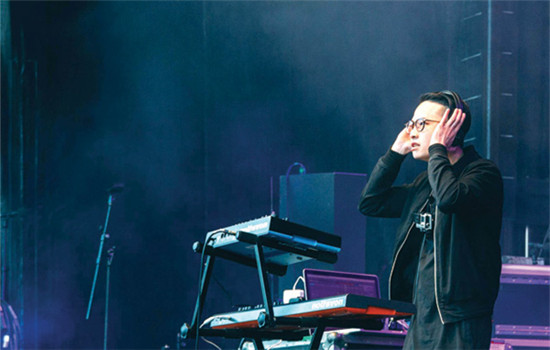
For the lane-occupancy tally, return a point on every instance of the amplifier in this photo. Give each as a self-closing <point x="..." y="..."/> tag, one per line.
<point x="522" y="311"/>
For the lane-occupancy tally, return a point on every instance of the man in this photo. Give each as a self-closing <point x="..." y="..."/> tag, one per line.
<point x="447" y="254"/>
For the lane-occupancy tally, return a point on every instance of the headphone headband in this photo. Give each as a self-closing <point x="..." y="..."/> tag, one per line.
<point x="454" y="99"/>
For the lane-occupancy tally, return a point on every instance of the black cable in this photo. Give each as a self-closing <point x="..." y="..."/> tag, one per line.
<point x="541" y="249"/>
<point x="302" y="171"/>
<point x="224" y="290"/>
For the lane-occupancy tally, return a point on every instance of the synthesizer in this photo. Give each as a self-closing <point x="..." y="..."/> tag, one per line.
<point x="347" y="307"/>
<point x="290" y="242"/>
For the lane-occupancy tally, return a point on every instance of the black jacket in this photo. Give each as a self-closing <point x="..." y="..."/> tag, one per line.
<point x="468" y="197"/>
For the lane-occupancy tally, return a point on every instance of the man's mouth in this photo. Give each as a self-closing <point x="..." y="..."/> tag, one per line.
<point x="414" y="145"/>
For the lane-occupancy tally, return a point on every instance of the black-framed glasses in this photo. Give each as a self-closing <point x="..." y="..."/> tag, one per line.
<point x="419" y="124"/>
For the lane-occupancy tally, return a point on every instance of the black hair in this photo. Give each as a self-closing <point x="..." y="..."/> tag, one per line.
<point x="452" y="100"/>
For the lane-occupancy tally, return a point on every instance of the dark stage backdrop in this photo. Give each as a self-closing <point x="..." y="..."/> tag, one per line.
<point x="195" y="107"/>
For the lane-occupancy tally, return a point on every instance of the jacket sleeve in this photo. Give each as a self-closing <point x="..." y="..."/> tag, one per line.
<point x="379" y="197"/>
<point x="477" y="187"/>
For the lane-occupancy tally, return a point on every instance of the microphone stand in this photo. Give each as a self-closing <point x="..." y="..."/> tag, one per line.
<point x="110" y="256"/>
<point x="98" y="260"/>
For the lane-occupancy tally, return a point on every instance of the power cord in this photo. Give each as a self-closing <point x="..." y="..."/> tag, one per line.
<point x="298" y="280"/>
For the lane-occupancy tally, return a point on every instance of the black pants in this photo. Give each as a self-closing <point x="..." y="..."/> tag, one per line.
<point x="426" y="331"/>
<point x="473" y="333"/>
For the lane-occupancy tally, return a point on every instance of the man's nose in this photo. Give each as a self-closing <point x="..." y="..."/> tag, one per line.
<point x="413" y="134"/>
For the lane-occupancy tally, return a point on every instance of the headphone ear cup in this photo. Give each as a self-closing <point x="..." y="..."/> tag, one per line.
<point x="457" y="103"/>
<point x="459" y="138"/>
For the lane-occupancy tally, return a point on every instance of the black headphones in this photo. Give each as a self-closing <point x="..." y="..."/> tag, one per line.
<point x="456" y="102"/>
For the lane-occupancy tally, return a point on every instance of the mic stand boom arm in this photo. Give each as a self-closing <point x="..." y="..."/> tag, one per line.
<point x="100" y="252"/>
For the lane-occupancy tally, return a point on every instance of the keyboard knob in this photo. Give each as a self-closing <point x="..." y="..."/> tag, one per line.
<point x="262" y="319"/>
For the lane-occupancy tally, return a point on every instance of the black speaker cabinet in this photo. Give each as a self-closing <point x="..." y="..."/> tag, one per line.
<point x="522" y="311"/>
<point x="327" y="202"/>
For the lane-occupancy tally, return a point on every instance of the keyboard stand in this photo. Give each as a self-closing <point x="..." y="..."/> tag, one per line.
<point x="258" y="262"/>
<point x="269" y="321"/>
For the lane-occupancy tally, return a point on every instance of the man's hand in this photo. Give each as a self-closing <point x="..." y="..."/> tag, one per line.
<point x="402" y="143"/>
<point x="447" y="128"/>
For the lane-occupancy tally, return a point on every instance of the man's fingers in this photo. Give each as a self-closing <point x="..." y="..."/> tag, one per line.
<point x="457" y="123"/>
<point x="456" y="119"/>
<point x="445" y="117"/>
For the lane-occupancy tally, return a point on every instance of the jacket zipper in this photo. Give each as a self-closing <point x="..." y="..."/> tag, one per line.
<point x="401" y="246"/>
<point x="435" y="270"/>
<point x="415" y="287"/>
<point x="396" y="256"/>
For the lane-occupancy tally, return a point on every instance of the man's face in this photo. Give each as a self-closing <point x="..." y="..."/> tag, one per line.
<point x="432" y="112"/>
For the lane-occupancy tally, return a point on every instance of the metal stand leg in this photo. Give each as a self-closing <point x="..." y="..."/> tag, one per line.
<point x="317" y="336"/>
<point x="258" y="344"/>
<point x="111" y="255"/>
<point x="264" y="285"/>
<point x="208" y="266"/>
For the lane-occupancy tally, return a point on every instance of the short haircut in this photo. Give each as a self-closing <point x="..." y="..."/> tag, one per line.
<point x="452" y="100"/>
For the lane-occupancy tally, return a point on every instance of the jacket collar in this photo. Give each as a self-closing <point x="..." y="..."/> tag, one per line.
<point x="468" y="157"/>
